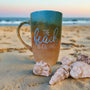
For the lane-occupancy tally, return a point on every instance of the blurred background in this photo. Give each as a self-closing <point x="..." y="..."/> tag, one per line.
<point x="75" y="12"/>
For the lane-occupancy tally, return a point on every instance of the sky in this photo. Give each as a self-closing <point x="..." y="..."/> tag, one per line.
<point x="23" y="8"/>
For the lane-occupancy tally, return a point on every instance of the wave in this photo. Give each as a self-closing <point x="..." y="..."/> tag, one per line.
<point x="76" y="22"/>
<point x="66" y="21"/>
<point x="10" y="22"/>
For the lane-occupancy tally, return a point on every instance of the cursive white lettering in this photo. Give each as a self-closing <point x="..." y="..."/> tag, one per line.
<point x="45" y="38"/>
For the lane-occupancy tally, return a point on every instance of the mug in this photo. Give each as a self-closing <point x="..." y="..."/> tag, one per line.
<point x="46" y="30"/>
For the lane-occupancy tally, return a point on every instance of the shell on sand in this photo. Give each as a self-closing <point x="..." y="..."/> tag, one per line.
<point x="80" y="70"/>
<point x="42" y="68"/>
<point x="60" y="74"/>
<point x="83" y="58"/>
<point x="66" y="60"/>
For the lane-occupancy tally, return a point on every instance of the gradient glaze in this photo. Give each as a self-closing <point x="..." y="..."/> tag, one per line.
<point x="48" y="44"/>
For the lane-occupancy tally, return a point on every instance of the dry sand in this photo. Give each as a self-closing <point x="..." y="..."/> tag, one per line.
<point x="16" y="61"/>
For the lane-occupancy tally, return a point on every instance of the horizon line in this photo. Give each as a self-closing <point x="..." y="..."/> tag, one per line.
<point x="29" y="17"/>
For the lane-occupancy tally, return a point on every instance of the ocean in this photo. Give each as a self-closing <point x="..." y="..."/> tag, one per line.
<point x="15" y="21"/>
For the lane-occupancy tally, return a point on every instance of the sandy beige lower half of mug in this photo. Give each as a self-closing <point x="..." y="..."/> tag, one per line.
<point x="48" y="55"/>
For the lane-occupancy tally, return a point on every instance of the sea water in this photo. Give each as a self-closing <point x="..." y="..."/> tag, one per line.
<point x="15" y="21"/>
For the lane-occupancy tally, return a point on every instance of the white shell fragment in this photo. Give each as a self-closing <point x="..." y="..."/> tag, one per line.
<point x="80" y="70"/>
<point x="60" y="74"/>
<point x="66" y="60"/>
<point x="42" y="68"/>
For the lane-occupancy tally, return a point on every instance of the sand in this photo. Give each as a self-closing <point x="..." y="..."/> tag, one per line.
<point x="16" y="61"/>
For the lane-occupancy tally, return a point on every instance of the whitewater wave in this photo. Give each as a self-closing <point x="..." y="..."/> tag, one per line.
<point x="66" y="21"/>
<point x="76" y="22"/>
<point x="10" y="22"/>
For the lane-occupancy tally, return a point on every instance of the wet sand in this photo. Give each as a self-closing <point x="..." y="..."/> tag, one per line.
<point x="16" y="61"/>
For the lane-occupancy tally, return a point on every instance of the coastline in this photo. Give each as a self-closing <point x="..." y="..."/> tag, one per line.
<point x="66" y="21"/>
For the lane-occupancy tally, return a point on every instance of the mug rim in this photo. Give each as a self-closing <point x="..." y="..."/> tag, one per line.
<point x="46" y="11"/>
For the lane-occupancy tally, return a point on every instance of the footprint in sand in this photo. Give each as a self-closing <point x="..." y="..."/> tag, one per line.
<point x="71" y="45"/>
<point x="72" y="40"/>
<point x="88" y="37"/>
<point x="5" y="43"/>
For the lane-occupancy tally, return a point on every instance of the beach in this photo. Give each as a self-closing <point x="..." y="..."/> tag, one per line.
<point x="74" y="39"/>
<point x="16" y="61"/>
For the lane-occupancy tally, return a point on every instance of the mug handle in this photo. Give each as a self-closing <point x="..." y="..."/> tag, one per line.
<point x="18" y="33"/>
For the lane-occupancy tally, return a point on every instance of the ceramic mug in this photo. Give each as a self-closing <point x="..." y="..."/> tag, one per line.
<point x="46" y="28"/>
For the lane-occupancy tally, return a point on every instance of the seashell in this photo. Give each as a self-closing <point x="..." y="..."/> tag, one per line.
<point x="60" y="74"/>
<point x="83" y="58"/>
<point x="80" y="70"/>
<point x="42" y="68"/>
<point x="66" y="60"/>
